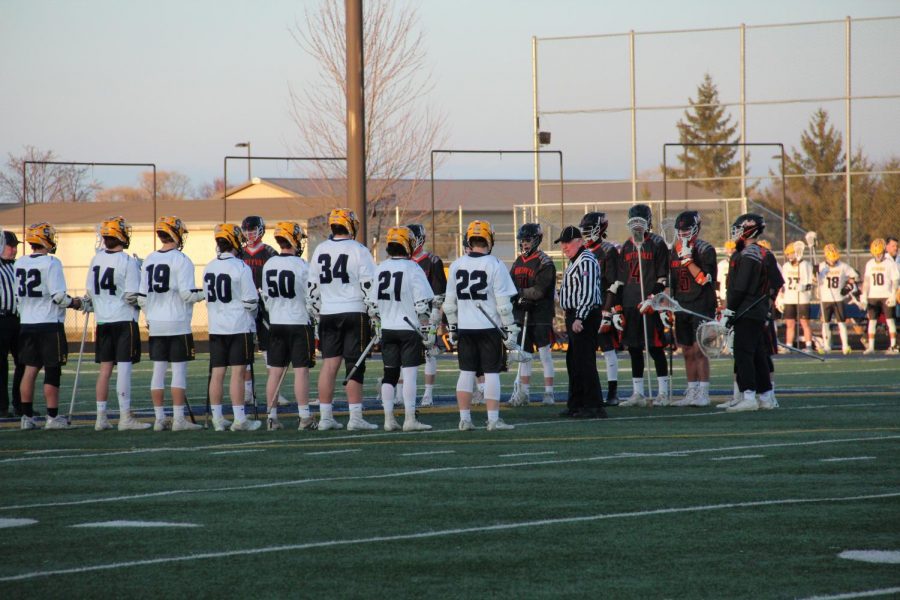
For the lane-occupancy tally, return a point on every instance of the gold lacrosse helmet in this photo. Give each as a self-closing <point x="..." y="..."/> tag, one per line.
<point x="765" y="244"/>
<point x="789" y="252"/>
<point x="402" y="236"/>
<point x="877" y="248"/>
<point x="118" y="228"/>
<point x="292" y="233"/>
<point x="174" y="228"/>
<point x="483" y="230"/>
<point x="44" y="234"/>
<point x="344" y="217"/>
<point x="231" y="233"/>
<point x="832" y="254"/>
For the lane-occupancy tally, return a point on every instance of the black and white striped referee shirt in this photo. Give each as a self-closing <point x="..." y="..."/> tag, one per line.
<point x="580" y="288"/>
<point x="7" y="287"/>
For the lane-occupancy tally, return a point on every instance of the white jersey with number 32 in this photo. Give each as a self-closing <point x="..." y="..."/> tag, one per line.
<point x="478" y="279"/>
<point x="340" y="268"/>
<point x="110" y="277"/>
<point x="399" y="283"/>
<point x="39" y="277"/>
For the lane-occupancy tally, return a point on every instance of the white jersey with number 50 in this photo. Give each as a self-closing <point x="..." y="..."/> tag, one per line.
<point x="284" y="280"/>
<point x="167" y="277"/>
<point x="478" y="279"/>
<point x="399" y="283"/>
<point x="882" y="279"/>
<point x="39" y="277"/>
<point x="833" y="278"/>
<point x="110" y="277"/>
<point x="340" y="269"/>
<point x="229" y="287"/>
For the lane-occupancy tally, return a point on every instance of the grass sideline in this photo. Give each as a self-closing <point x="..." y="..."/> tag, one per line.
<point x="649" y="503"/>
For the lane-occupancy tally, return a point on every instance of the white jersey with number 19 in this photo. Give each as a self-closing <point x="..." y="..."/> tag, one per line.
<point x="111" y="276"/>
<point x="167" y="278"/>
<point x="399" y="283"/>
<point x="339" y="269"/>
<point x="478" y="279"/>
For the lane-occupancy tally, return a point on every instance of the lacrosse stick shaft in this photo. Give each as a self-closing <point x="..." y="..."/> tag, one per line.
<point x="253" y="391"/>
<point x="639" y="247"/>
<point x="273" y="401"/>
<point x="87" y="319"/>
<point x="803" y="352"/>
<point x="524" y="332"/>
<point x="488" y="317"/>
<point x="360" y="360"/>
<point x="208" y="404"/>
<point x="416" y="329"/>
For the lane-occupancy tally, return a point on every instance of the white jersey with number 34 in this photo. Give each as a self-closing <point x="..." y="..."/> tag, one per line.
<point x="478" y="279"/>
<point x="339" y="269"/>
<point x="399" y="283"/>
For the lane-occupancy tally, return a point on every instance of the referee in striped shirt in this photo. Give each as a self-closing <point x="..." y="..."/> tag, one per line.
<point x="580" y="298"/>
<point x="9" y="326"/>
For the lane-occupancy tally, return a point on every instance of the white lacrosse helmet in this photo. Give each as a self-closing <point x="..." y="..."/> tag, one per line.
<point x="799" y="248"/>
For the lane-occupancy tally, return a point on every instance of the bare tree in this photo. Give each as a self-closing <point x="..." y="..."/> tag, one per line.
<point x="45" y="183"/>
<point x="170" y="185"/>
<point x="401" y="126"/>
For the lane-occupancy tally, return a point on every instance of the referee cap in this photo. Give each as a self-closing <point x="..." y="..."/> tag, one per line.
<point x="568" y="234"/>
<point x="10" y="239"/>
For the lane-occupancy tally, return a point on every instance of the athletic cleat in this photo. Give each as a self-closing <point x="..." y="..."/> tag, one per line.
<point x="746" y="403"/>
<point x="27" y="423"/>
<point x="282" y="401"/>
<point x="846" y="351"/>
<point x="518" y="398"/>
<point x="390" y="424"/>
<point x="892" y="350"/>
<point x="701" y="399"/>
<point x="636" y="399"/>
<point x="184" y="425"/>
<point x="359" y="424"/>
<point x="662" y="400"/>
<point x="326" y="424"/>
<point x="308" y="423"/>
<point x="549" y="399"/>
<point x="415" y="425"/>
<point x="689" y="396"/>
<point x="246" y="425"/>
<point x="273" y="424"/>
<point x="221" y="424"/>
<point x="129" y="423"/>
<point x="466" y="425"/>
<point x="499" y="425"/>
<point x="162" y="424"/>
<point x="57" y="422"/>
<point x="102" y="423"/>
<point x="767" y="401"/>
<point x="869" y="350"/>
<point x="427" y="398"/>
<point x="477" y="397"/>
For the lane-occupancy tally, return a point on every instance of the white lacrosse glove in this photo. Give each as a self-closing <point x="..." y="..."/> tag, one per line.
<point x="685" y="253"/>
<point x="646" y="307"/>
<point x="427" y="336"/>
<point x="512" y="332"/>
<point x="376" y="326"/>
<point x="87" y="305"/>
<point x="453" y="335"/>
<point x="779" y="303"/>
<point x="727" y="315"/>
<point x="618" y="319"/>
<point x="606" y="324"/>
<point x="196" y="296"/>
<point x="864" y="299"/>
<point x="891" y="301"/>
<point x="667" y="318"/>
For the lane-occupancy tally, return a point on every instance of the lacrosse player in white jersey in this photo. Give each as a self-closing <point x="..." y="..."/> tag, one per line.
<point x="879" y="293"/>
<point x="113" y="283"/>
<point x="837" y="281"/>
<point x="168" y="295"/>
<point x="798" y="273"/>
<point x="291" y="338"/>
<point x="42" y="301"/>
<point x="404" y="298"/>
<point x="340" y="297"/>
<point x="231" y="303"/>
<point x="478" y="307"/>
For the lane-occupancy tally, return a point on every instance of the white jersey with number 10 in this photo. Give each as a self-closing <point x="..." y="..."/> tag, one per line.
<point x="399" y="283"/>
<point x="881" y="278"/>
<point x="478" y="279"/>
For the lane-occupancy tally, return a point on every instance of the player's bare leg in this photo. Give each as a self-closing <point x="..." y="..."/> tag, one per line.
<point x="327" y="376"/>
<point x="464" y="386"/>
<point x="807" y="333"/>
<point x="101" y="391"/>
<point x="274" y="378"/>
<point x="790" y="328"/>
<point x="301" y="395"/>
<point x="216" y="394"/>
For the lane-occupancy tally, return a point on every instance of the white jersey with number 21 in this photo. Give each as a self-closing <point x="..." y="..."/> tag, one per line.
<point x="399" y="283"/>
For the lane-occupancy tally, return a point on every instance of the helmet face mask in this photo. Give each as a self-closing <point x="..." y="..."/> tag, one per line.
<point x="687" y="226"/>
<point x="403" y="237"/>
<point x="292" y="234"/>
<point x="480" y="230"/>
<point x="343" y="217"/>
<point x="118" y="228"/>
<point x="640" y="221"/>
<point x="418" y="232"/>
<point x="593" y="226"/>
<point x="799" y="248"/>
<point x="174" y="228"/>
<point x="748" y="226"/>
<point x="529" y="236"/>
<point x="254" y="229"/>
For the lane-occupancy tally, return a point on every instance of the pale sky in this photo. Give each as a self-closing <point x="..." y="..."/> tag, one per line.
<point x="179" y="82"/>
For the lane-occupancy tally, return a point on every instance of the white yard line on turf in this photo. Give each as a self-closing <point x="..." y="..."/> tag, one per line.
<point x="526" y="454"/>
<point x="427" y="453"/>
<point x="865" y="594"/>
<point x="443" y="533"/>
<point x="742" y="457"/>
<point x="846" y="458"/>
<point x="332" y="452"/>
<point x="435" y="470"/>
<point x="237" y="451"/>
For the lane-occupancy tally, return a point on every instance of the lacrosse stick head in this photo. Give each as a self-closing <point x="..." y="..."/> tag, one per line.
<point x="519" y="356"/>
<point x="640" y="221"/>
<point x="663" y="302"/>
<point x="713" y="338"/>
<point x="811" y="239"/>
<point x="668" y="231"/>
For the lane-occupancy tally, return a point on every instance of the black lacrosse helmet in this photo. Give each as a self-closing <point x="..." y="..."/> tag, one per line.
<point x="254" y="228"/>
<point x="593" y="226"/>
<point x="530" y="236"/>
<point x="418" y="231"/>
<point x="687" y="221"/>
<point x="640" y="218"/>
<point x="747" y="227"/>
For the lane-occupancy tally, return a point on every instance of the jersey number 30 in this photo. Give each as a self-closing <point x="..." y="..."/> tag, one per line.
<point x="471" y="286"/>
<point x="218" y="287"/>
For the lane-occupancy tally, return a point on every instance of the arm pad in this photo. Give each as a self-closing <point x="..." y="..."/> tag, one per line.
<point x="251" y="306"/>
<point x="449" y="308"/>
<point x="614" y="287"/>
<point x="423" y="310"/>
<point x="192" y="296"/>
<point x="505" y="310"/>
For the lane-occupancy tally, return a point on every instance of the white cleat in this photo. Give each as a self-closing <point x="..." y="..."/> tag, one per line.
<point x="163" y="424"/>
<point x="548" y="399"/>
<point x="477" y="397"/>
<point x="27" y="423"/>
<point x="767" y="401"/>
<point x="282" y="401"/>
<point x="57" y="422"/>
<point x="636" y="399"/>
<point x="326" y="424"/>
<point x="869" y="350"/>
<point x="662" y="400"/>
<point x="185" y="425"/>
<point x="359" y="424"/>
<point x="273" y="424"/>
<point x="701" y="399"/>
<point x="222" y="424"/>
<point x="129" y="423"/>
<point x="246" y="425"/>
<point x="391" y="424"/>
<point x="414" y="425"/>
<point x="748" y="402"/>
<point x="427" y="398"/>
<point x="846" y="350"/>
<point x="308" y="423"/>
<point x="688" y="397"/>
<point x="102" y="423"/>
<point x="499" y="425"/>
<point x="466" y="425"/>
<point x="892" y="350"/>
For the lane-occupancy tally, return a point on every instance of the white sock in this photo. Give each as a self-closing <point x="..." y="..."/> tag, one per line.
<point x="273" y="412"/>
<point x="216" y="411"/>
<point x="409" y="392"/>
<point x="387" y="399"/>
<point x="663" y="385"/>
<point x="159" y="412"/>
<point x="493" y="415"/>
<point x="429" y="388"/>
<point x="548" y="389"/>
<point x="304" y="411"/>
<point x="612" y="365"/>
<point x="693" y="384"/>
<point x="248" y="387"/>
<point x="356" y="411"/>
<point x="842" y="331"/>
<point x="525" y="388"/>
<point x="638" y="385"/>
<point x="178" y="412"/>
<point x="123" y="386"/>
<point x="703" y="387"/>
<point x="101" y="408"/>
<point x="465" y="415"/>
<point x="325" y="411"/>
<point x="239" y="414"/>
<point x="481" y="387"/>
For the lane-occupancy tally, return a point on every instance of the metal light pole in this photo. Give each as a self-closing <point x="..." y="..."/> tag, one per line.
<point x="247" y="146"/>
<point x="356" y="115"/>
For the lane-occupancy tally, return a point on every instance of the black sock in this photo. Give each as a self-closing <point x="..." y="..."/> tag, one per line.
<point x="27" y="409"/>
<point x="613" y="389"/>
<point x="52" y="412"/>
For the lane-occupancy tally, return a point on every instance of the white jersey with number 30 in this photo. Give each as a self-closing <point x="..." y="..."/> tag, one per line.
<point x="478" y="279"/>
<point x="399" y="283"/>
<point x="340" y="268"/>
<point x="110" y="277"/>
<point x="229" y="287"/>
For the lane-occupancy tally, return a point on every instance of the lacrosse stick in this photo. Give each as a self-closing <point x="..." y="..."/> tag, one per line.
<point x="274" y="400"/>
<point x="669" y="234"/>
<point x="429" y="352"/>
<point x="87" y="319"/>
<point x="362" y="357"/>
<point x="640" y="260"/>
<point x="514" y="355"/>
<point x="518" y="380"/>
<point x="713" y="338"/>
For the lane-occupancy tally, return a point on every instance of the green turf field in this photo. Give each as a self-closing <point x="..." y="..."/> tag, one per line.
<point x="651" y="503"/>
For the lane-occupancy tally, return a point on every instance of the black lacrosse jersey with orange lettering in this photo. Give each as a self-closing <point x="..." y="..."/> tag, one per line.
<point x="434" y="271"/>
<point x="654" y="264"/>
<point x="685" y="288"/>
<point x="535" y="279"/>
<point x="256" y="258"/>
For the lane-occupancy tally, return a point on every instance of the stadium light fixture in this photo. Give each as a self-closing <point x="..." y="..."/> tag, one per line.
<point x="247" y="146"/>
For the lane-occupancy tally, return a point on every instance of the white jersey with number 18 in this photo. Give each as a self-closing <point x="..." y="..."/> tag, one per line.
<point x="399" y="283"/>
<point x="832" y="279"/>
<point x="478" y="279"/>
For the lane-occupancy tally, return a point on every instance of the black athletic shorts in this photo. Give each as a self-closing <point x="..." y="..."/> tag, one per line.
<point x="230" y="350"/>
<point x="345" y="335"/>
<point x="791" y="311"/>
<point x="633" y="336"/>
<point x="608" y="341"/>
<point x="874" y="309"/>
<point x="291" y="344"/>
<point x="537" y="336"/>
<point x="401" y="348"/>
<point x="262" y="334"/>
<point x="118" y="342"/>
<point x="481" y="351"/>
<point x="43" y="345"/>
<point x="172" y="348"/>
<point x="686" y="327"/>
<point x="833" y="310"/>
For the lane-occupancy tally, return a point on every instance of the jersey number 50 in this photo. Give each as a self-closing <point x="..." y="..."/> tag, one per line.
<point x="471" y="286"/>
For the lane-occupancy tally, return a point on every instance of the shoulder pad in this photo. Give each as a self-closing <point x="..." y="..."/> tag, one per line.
<point x="753" y="252"/>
